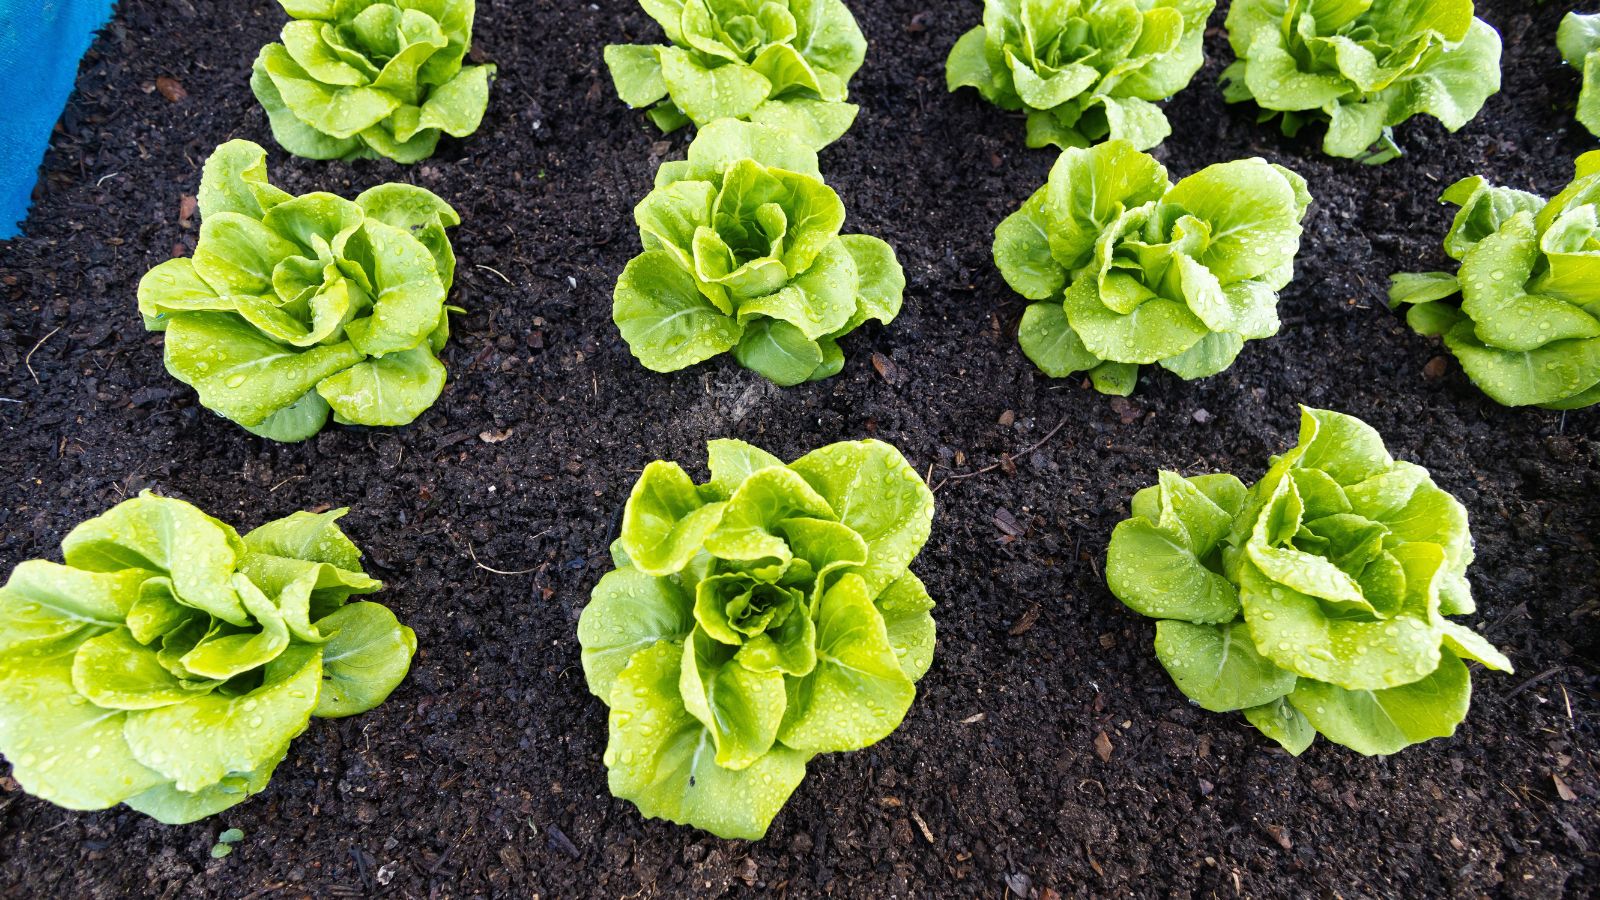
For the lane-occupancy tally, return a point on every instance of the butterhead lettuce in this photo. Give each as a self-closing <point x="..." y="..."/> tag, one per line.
<point x="1361" y="66"/>
<point x="785" y="63"/>
<point x="354" y="79"/>
<point x="742" y="252"/>
<point x="1083" y="70"/>
<point x="1522" y="313"/>
<point x="754" y="621"/>
<point x="292" y="307"/>
<point x="1316" y="601"/>
<point x="1128" y="268"/>
<point x="1578" y="38"/>
<point x="168" y="662"/>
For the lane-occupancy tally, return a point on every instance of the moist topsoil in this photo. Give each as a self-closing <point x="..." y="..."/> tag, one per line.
<point x="1047" y="751"/>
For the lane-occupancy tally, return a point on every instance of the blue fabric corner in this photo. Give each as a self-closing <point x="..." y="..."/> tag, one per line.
<point x="41" y="42"/>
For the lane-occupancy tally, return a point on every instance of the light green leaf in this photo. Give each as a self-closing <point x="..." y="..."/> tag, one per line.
<point x="1048" y="340"/>
<point x="629" y="611"/>
<point x="44" y="604"/>
<point x="739" y="708"/>
<point x="705" y="95"/>
<point x="665" y="522"/>
<point x="875" y="492"/>
<point x="385" y="390"/>
<point x="170" y="806"/>
<point x="662" y="758"/>
<point x="778" y="351"/>
<point x="857" y="694"/>
<point x="636" y="70"/>
<point x="367" y="655"/>
<point x="161" y="534"/>
<point x="114" y="671"/>
<point x="1022" y="253"/>
<point x="817" y="123"/>
<point x="668" y="323"/>
<point x="60" y="747"/>
<point x="1283" y="723"/>
<point x="1217" y="666"/>
<point x="906" y="607"/>
<point x="1156" y="573"/>
<point x="200" y="742"/>
<point x="733" y="461"/>
<point x="1380" y="722"/>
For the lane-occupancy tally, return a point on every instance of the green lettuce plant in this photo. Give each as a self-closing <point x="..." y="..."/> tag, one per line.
<point x="169" y="662"/>
<point x="292" y="306"/>
<point x="785" y="63"/>
<point x="742" y="252"/>
<point x="1315" y="601"/>
<point x="1522" y="313"/>
<point x="355" y="79"/>
<point x="1129" y="268"/>
<point x="754" y="621"/>
<point x="1578" y="38"/>
<point x="1361" y="66"/>
<point x="1083" y="69"/>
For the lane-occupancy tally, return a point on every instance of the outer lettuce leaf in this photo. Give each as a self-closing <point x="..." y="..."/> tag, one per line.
<point x="169" y="663"/>
<point x="1361" y="67"/>
<point x="1130" y="269"/>
<point x="755" y="620"/>
<point x="293" y="308"/>
<point x="782" y="63"/>
<point x="369" y="78"/>
<point x="1316" y="601"/>
<point x="1578" y="38"/>
<point x="1522" y="314"/>
<point x="1083" y="70"/>
<point x="742" y="253"/>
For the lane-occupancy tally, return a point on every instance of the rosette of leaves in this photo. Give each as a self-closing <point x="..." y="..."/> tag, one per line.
<point x="1316" y="601"/>
<point x="785" y="63"/>
<point x="1083" y="69"/>
<point x="168" y="663"/>
<point x="1361" y="66"/>
<point x="1578" y="38"/>
<point x="754" y="621"/>
<point x="742" y="252"/>
<point x="356" y="79"/>
<point x="1128" y="268"/>
<point x="1522" y="312"/>
<point x="294" y="306"/>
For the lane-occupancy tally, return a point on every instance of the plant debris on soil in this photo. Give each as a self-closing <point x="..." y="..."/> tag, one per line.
<point x="1047" y="753"/>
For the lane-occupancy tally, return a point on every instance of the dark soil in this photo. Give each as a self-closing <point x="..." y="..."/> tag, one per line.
<point x="1048" y="752"/>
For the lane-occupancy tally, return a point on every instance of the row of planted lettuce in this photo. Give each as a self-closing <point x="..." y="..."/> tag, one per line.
<point x="770" y="614"/>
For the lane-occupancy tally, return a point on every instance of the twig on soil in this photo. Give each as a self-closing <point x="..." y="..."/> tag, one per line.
<point x="474" y="554"/>
<point x="495" y="271"/>
<point x="8" y="400"/>
<point x="1533" y="681"/>
<point x="28" y="360"/>
<point x="992" y="466"/>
